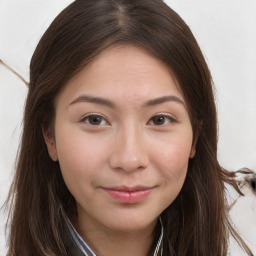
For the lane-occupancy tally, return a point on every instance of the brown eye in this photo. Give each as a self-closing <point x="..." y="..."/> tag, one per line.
<point x="158" y="120"/>
<point x="95" y="120"/>
<point x="161" y="120"/>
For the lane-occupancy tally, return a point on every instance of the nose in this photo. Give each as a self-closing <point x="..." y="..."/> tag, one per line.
<point x="130" y="151"/>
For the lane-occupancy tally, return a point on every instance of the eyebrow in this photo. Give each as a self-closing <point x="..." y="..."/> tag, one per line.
<point x="97" y="100"/>
<point x="163" y="100"/>
<point x="108" y="103"/>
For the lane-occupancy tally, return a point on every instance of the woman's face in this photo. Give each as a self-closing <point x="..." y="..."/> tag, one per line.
<point x="123" y="139"/>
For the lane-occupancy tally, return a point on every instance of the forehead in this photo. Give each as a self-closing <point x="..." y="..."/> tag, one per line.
<point x="129" y="59"/>
<point x="124" y="70"/>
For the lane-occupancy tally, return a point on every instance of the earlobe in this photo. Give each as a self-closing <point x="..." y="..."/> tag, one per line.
<point x="195" y="139"/>
<point x="192" y="151"/>
<point x="50" y="143"/>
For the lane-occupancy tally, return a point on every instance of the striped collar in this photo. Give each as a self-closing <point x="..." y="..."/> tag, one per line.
<point x="81" y="248"/>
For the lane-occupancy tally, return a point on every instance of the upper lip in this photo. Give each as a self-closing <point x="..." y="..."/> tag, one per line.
<point x="129" y="188"/>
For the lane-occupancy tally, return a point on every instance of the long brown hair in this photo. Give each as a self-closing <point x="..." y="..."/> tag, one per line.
<point x="196" y="223"/>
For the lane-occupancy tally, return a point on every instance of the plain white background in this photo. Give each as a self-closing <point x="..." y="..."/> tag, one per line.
<point x="226" y="32"/>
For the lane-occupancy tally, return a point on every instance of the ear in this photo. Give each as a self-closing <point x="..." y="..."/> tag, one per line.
<point x="49" y="139"/>
<point x="192" y="151"/>
<point x="195" y="139"/>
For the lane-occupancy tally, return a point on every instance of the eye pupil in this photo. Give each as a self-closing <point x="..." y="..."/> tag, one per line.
<point x="95" y="120"/>
<point x="158" y="120"/>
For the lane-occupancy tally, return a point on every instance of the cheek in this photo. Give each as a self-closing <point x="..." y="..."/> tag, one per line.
<point x="174" y="156"/>
<point x="172" y="160"/>
<point x="75" y="149"/>
<point x="80" y="159"/>
<point x="173" y="165"/>
<point x="174" y="168"/>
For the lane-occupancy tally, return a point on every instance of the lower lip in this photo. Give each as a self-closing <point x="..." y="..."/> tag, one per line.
<point x="129" y="196"/>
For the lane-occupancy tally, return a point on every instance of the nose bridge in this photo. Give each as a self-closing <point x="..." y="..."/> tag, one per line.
<point x="130" y="152"/>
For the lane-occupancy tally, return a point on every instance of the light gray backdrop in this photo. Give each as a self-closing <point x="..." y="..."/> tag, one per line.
<point x="226" y="32"/>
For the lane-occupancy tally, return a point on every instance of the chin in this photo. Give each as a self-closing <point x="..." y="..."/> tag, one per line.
<point x="128" y="223"/>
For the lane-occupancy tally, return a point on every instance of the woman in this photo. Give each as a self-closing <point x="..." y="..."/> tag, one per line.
<point x="119" y="148"/>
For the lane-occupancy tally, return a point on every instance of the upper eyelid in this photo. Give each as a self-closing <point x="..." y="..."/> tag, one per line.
<point x="165" y="115"/>
<point x="92" y="114"/>
<point x="172" y="119"/>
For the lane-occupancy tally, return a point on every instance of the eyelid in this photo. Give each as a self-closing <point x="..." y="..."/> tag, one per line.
<point x="82" y="120"/>
<point x="171" y="118"/>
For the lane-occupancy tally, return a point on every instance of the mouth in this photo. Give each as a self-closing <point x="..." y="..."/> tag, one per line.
<point x="129" y="195"/>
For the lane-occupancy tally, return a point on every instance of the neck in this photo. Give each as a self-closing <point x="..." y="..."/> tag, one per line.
<point x="105" y="242"/>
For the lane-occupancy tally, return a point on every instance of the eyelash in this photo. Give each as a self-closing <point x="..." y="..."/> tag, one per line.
<point x="167" y="118"/>
<point x="86" y="119"/>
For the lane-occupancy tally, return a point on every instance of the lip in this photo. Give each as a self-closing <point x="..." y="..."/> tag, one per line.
<point x="129" y="195"/>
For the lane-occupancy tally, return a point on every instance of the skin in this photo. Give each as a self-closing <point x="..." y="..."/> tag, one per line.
<point x="125" y="145"/>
